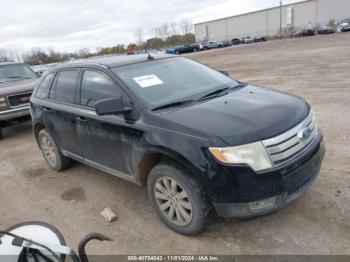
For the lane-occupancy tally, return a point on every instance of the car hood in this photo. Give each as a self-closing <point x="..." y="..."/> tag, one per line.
<point x="248" y="114"/>
<point x="17" y="86"/>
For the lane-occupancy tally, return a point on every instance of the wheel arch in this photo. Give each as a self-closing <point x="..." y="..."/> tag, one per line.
<point x="37" y="128"/>
<point x="154" y="157"/>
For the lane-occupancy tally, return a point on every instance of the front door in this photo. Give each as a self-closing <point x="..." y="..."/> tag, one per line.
<point x="107" y="141"/>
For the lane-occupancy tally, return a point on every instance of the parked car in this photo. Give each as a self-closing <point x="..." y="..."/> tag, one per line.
<point x="39" y="69"/>
<point x="325" y="30"/>
<point x="200" y="141"/>
<point x="296" y="33"/>
<point x="170" y="50"/>
<point x="197" y="47"/>
<point x="17" y="81"/>
<point x="258" y="39"/>
<point x="236" y="41"/>
<point x="247" y="40"/>
<point x="344" y="27"/>
<point x="210" y="45"/>
<point x="224" y="43"/>
<point x="181" y="49"/>
<point x="309" y="32"/>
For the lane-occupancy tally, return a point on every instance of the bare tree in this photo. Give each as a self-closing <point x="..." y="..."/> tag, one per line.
<point x="4" y="56"/>
<point x="139" y="36"/>
<point x="162" y="31"/>
<point x="173" y="29"/>
<point x="83" y="53"/>
<point x="186" y="26"/>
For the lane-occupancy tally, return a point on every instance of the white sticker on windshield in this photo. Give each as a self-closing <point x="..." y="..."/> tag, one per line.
<point x="148" y="80"/>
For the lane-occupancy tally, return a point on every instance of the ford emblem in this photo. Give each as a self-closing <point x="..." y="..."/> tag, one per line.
<point x="304" y="133"/>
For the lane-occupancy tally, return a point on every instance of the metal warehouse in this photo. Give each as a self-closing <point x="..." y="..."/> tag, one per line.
<point x="268" y="22"/>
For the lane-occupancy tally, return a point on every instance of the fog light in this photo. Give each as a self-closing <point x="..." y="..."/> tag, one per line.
<point x="263" y="204"/>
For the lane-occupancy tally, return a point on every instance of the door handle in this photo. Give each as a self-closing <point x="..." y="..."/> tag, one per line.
<point x="46" y="108"/>
<point x="81" y="119"/>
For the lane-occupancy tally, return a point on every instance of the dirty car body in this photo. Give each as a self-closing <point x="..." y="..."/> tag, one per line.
<point x="199" y="131"/>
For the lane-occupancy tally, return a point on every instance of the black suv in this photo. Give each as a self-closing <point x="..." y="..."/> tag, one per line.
<point x="17" y="82"/>
<point x="203" y="143"/>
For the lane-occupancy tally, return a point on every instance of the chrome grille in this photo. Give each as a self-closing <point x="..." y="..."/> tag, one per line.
<point x="283" y="147"/>
<point x="19" y="99"/>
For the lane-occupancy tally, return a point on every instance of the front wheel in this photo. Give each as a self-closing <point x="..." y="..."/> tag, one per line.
<point x="178" y="200"/>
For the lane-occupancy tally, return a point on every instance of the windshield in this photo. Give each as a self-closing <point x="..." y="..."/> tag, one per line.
<point x="164" y="81"/>
<point x="15" y="72"/>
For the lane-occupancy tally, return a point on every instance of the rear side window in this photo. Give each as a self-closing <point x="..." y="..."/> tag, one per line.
<point x="43" y="89"/>
<point x="96" y="86"/>
<point x="64" y="89"/>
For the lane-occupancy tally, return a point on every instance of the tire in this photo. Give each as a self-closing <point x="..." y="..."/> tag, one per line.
<point x="195" y="50"/>
<point x="177" y="52"/>
<point x="192" y="199"/>
<point x="53" y="157"/>
<point x="1" y="133"/>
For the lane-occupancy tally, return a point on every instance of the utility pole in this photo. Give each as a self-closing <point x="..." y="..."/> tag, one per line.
<point x="280" y="19"/>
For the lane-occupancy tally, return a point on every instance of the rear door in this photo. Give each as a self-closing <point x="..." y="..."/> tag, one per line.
<point x="63" y="111"/>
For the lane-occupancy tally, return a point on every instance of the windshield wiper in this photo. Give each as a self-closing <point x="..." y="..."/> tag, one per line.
<point x="173" y="104"/>
<point x="220" y="92"/>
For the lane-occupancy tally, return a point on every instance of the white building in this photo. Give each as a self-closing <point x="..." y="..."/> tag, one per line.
<point x="267" y="22"/>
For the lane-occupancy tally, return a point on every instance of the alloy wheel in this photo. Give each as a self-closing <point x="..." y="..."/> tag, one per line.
<point x="49" y="151"/>
<point x="173" y="201"/>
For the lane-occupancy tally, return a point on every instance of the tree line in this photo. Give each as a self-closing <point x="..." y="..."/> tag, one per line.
<point x="163" y="36"/>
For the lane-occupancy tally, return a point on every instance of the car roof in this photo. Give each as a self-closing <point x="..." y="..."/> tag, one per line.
<point x="112" y="61"/>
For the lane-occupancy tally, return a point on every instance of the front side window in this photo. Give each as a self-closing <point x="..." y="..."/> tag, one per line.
<point x="65" y="85"/>
<point x="43" y="89"/>
<point x="164" y="81"/>
<point x="96" y="86"/>
<point x="13" y="72"/>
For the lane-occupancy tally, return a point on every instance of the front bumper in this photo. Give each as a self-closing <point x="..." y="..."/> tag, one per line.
<point x="284" y="188"/>
<point x="14" y="113"/>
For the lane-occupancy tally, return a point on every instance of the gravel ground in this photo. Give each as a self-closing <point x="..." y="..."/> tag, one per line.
<point x="316" y="68"/>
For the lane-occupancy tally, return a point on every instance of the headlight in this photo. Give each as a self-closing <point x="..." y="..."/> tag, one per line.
<point x="3" y="102"/>
<point x="253" y="155"/>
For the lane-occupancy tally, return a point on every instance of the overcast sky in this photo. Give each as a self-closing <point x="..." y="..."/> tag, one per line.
<point x="69" y="25"/>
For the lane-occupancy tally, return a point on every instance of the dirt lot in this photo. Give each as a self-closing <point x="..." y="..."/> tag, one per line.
<point x="316" y="68"/>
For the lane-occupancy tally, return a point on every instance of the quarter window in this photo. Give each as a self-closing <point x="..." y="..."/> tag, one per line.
<point x="43" y="89"/>
<point x="64" y="90"/>
<point x="96" y="86"/>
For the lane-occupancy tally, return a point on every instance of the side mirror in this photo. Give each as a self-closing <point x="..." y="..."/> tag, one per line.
<point x="224" y="72"/>
<point x="112" y="106"/>
<point x="39" y="74"/>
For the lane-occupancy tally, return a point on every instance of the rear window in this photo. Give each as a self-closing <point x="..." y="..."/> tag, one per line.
<point x="65" y="85"/>
<point x="43" y="89"/>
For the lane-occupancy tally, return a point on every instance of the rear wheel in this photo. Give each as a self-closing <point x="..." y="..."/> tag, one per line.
<point x="177" y="199"/>
<point x="177" y="52"/>
<point x="51" y="153"/>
